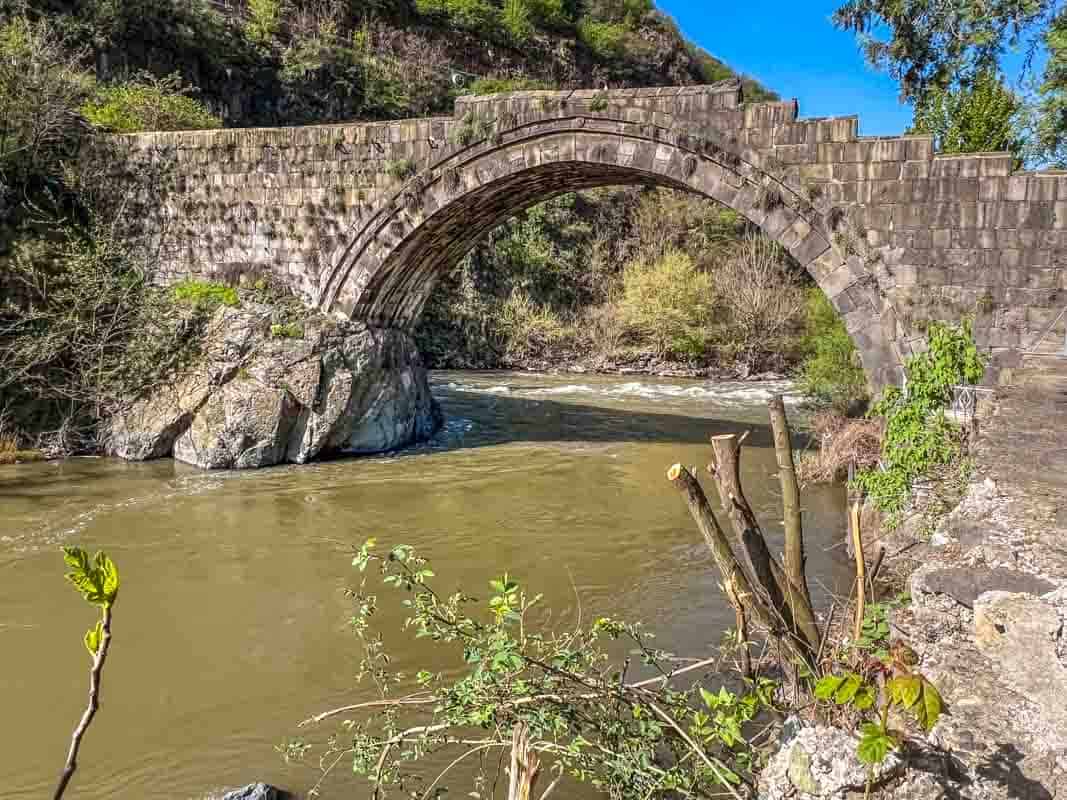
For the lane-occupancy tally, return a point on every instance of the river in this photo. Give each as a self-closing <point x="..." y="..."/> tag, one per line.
<point x="231" y="626"/>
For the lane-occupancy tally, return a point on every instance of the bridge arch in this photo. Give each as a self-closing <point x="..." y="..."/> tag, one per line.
<point x="388" y="267"/>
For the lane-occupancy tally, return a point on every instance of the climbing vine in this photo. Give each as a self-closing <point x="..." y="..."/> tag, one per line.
<point x="918" y="434"/>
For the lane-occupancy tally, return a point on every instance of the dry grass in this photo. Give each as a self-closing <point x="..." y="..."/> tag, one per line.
<point x="10" y="453"/>
<point x="9" y="446"/>
<point x="842" y="441"/>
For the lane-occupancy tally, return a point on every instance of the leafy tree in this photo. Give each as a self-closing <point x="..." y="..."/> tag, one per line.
<point x="930" y="46"/>
<point x="82" y="326"/>
<point x="981" y="115"/>
<point x="1051" y="125"/>
<point x="927" y="44"/>
<point x="669" y="301"/>
<point x="42" y="84"/>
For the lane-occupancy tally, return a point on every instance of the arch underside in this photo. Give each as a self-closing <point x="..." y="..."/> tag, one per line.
<point x="398" y="298"/>
<point x="387" y="273"/>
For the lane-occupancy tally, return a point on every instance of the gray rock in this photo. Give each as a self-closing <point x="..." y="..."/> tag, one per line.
<point x="257" y="791"/>
<point x="965" y="584"/>
<point x="820" y="762"/>
<point x="1021" y="635"/>
<point x="253" y="400"/>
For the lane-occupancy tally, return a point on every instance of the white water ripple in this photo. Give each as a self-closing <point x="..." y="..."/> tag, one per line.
<point x="729" y="393"/>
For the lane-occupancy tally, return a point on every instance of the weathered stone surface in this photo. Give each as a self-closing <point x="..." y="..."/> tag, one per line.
<point x="819" y="762"/>
<point x="1024" y="637"/>
<point x="254" y="400"/>
<point x="965" y="584"/>
<point x="243" y="424"/>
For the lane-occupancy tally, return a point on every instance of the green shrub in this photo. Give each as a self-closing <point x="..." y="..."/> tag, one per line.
<point x="148" y="104"/>
<point x="669" y="301"/>
<point x="604" y="39"/>
<point x="628" y="12"/>
<point x="919" y="436"/>
<point x="478" y="16"/>
<point x="264" y="19"/>
<point x="831" y="373"/>
<point x="482" y="86"/>
<point x="399" y="169"/>
<point x="287" y="330"/>
<point x="529" y="328"/>
<point x="205" y="294"/>
<point x="552" y="14"/>
<point x="518" y="20"/>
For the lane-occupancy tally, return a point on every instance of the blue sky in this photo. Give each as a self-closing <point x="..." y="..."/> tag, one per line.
<point x="792" y="48"/>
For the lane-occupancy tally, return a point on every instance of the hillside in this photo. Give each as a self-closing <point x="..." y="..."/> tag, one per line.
<point x="287" y="62"/>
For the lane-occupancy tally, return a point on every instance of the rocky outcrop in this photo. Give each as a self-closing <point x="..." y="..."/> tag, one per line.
<point x="988" y="611"/>
<point x="818" y="761"/>
<point x="257" y="397"/>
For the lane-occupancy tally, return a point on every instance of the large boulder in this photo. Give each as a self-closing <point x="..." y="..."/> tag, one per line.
<point x="254" y="398"/>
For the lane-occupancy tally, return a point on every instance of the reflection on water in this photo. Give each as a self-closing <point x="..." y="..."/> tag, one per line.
<point x="231" y="624"/>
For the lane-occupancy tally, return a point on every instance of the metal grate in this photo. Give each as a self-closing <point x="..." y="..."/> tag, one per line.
<point x="965" y="399"/>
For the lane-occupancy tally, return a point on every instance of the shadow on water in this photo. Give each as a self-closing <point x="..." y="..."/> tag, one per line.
<point x="471" y="420"/>
<point x="506" y="419"/>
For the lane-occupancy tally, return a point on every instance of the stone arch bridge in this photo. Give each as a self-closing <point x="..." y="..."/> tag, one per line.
<point x="360" y="219"/>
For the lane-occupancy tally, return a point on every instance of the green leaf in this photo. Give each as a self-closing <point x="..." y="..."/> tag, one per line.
<point x="865" y="698"/>
<point x="827" y="685"/>
<point x="710" y="700"/>
<point x="109" y="573"/>
<point x="905" y="690"/>
<point x="76" y="558"/>
<point x="93" y="637"/>
<point x="98" y="581"/>
<point x="929" y="709"/>
<point x="875" y="744"/>
<point x="847" y="690"/>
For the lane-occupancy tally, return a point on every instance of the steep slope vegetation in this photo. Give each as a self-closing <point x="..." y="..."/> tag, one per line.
<point x="285" y="62"/>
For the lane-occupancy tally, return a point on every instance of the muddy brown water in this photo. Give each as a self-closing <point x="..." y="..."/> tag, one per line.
<point x="231" y="625"/>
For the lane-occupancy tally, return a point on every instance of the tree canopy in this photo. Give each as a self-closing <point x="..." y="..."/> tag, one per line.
<point x="932" y="47"/>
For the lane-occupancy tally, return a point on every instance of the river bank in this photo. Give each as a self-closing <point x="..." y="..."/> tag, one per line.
<point x="641" y="363"/>
<point x="988" y="603"/>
